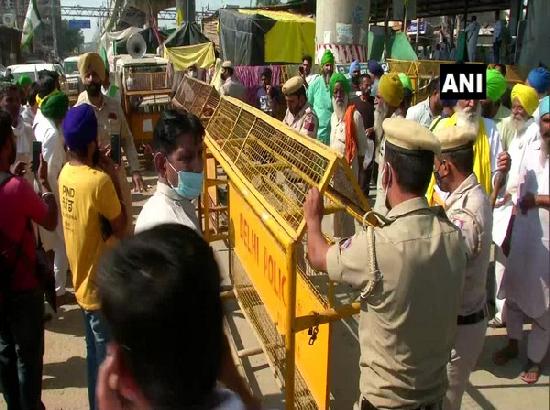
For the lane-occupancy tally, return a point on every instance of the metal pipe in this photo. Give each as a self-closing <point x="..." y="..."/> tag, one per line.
<point x="54" y="28"/>
<point x="251" y="351"/>
<point x="290" y="335"/>
<point x="327" y="316"/>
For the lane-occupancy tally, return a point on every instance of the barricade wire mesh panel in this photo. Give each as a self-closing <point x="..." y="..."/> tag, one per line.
<point x="340" y="184"/>
<point x="198" y="98"/>
<point x="211" y="103"/>
<point x="279" y="167"/>
<point x="185" y="94"/>
<point x="273" y="342"/>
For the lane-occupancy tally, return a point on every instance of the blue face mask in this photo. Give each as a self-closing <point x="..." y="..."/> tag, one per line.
<point x="189" y="183"/>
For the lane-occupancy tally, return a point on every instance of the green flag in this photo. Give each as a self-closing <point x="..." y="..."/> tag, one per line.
<point x="32" y="21"/>
<point x="104" y="58"/>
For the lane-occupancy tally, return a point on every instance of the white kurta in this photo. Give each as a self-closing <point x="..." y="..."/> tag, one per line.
<point x="527" y="276"/>
<point x="502" y="214"/>
<point x="53" y="151"/>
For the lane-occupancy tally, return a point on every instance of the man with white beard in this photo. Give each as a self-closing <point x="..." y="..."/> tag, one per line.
<point x="347" y="137"/>
<point x="524" y="102"/>
<point x="389" y="95"/>
<point x="526" y="284"/>
<point x="489" y="158"/>
<point x="492" y="107"/>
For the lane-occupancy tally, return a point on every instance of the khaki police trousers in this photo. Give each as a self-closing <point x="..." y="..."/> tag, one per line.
<point x="466" y="350"/>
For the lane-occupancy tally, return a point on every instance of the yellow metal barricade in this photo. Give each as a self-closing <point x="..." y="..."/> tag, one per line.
<point x="270" y="169"/>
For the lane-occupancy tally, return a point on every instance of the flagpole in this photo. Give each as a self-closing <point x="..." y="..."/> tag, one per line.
<point x="54" y="31"/>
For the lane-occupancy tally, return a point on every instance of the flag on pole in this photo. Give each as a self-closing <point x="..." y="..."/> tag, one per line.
<point x="32" y="21"/>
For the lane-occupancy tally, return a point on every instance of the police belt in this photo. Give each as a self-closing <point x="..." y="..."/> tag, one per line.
<point x="471" y="319"/>
<point x="367" y="405"/>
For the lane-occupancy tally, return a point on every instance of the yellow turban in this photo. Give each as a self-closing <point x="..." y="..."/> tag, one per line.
<point x="527" y="96"/>
<point x="391" y="89"/>
<point x="91" y="62"/>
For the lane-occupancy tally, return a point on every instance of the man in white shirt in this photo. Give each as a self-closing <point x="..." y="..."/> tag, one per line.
<point x="231" y="86"/>
<point x="526" y="285"/>
<point x="425" y="111"/>
<point x="28" y="111"/>
<point x="524" y="102"/>
<point x="178" y="145"/>
<point x="47" y="130"/>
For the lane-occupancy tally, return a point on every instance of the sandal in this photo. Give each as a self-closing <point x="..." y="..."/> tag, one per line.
<point x="531" y="373"/>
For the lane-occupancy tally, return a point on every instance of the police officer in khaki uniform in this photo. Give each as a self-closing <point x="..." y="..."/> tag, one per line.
<point x="299" y="114"/>
<point x="467" y="207"/>
<point x="410" y="270"/>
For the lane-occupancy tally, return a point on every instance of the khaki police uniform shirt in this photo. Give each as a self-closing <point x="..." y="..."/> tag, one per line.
<point x="305" y="122"/>
<point x="111" y="109"/>
<point x="408" y="323"/>
<point x="469" y="209"/>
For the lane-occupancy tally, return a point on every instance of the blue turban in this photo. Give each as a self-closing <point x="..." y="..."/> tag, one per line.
<point x="544" y="107"/>
<point x="539" y="79"/>
<point x="80" y="127"/>
<point x="354" y="67"/>
<point x="375" y="68"/>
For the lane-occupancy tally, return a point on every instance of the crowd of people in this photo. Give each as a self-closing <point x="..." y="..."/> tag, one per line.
<point x="486" y="165"/>
<point x="452" y="178"/>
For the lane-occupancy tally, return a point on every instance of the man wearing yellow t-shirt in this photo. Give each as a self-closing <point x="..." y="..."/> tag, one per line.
<point x="92" y="211"/>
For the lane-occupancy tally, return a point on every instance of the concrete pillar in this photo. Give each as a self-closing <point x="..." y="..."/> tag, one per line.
<point x="536" y="38"/>
<point x="185" y="9"/>
<point x="342" y="27"/>
<point x="515" y="10"/>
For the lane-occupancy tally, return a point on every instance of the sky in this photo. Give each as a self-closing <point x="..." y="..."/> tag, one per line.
<point x="89" y="33"/>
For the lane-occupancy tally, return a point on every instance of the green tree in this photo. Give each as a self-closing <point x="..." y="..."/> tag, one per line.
<point x="70" y="40"/>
